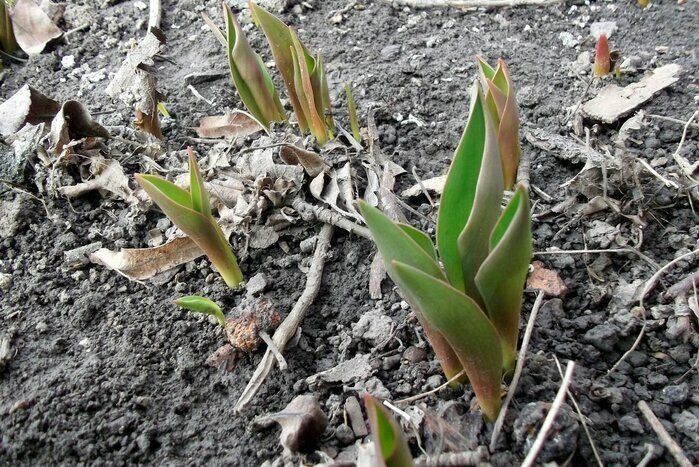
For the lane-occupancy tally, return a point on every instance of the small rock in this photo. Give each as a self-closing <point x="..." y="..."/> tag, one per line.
<point x="656" y="380"/>
<point x="303" y="423"/>
<point x="567" y="39"/>
<point x="256" y="284"/>
<point x="676" y="394"/>
<point x="373" y="326"/>
<point x="344" y="434"/>
<point x="562" y="438"/>
<point x="433" y="382"/>
<point x="631" y="423"/>
<point x="68" y="61"/>
<point x="688" y="424"/>
<point x="41" y="327"/>
<point x="390" y="52"/>
<point x="354" y="412"/>
<point x="5" y="281"/>
<point x="414" y="354"/>
<point x="375" y="387"/>
<point x="602" y="336"/>
<point x="546" y="280"/>
<point x="602" y="27"/>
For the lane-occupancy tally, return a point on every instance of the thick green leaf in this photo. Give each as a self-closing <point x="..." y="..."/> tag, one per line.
<point x="395" y="244"/>
<point x="487" y="71"/>
<point x="473" y="241"/>
<point x="203" y="305"/>
<point x="280" y="42"/>
<point x="200" y="198"/>
<point x="203" y="230"/>
<point x="248" y="73"/>
<point x="352" y="110"/>
<point x="502" y="275"/>
<point x="421" y="238"/>
<point x="389" y="440"/>
<point x="508" y="131"/>
<point x="467" y="329"/>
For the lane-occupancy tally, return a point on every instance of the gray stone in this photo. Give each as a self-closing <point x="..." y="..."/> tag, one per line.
<point x="373" y="326"/>
<point x="344" y="434"/>
<point x="256" y="284"/>
<point x="631" y="423"/>
<point x="602" y="336"/>
<point x="688" y="424"/>
<point x="676" y="394"/>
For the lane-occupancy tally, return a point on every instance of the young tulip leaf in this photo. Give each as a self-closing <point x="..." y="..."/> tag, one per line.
<point x="389" y="440"/>
<point x="603" y="61"/>
<point x="467" y="329"/>
<point x="199" y="196"/>
<point x="502" y="275"/>
<point x="280" y="42"/>
<point x="8" y="44"/>
<point x="508" y="127"/>
<point x="352" y="110"/>
<point x="395" y="244"/>
<point x="203" y="305"/>
<point x="421" y="238"/>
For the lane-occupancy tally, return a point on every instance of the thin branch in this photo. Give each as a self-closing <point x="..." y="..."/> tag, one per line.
<point x="155" y="14"/>
<point x="497" y="427"/>
<point x="663" y="435"/>
<point x="431" y="391"/>
<point x="672" y="120"/>
<point x="288" y="328"/>
<point x="469" y="3"/>
<point x="650" y="284"/>
<point x="550" y="417"/>
<point x="684" y="165"/>
<point x="461" y="459"/>
<point x="309" y="211"/>
<point x="582" y="418"/>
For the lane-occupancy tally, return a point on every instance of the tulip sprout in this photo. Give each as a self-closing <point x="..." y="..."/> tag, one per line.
<point x="191" y="212"/>
<point x="202" y="305"/>
<point x="390" y="445"/>
<point x="603" y="60"/>
<point x="8" y="44"/>
<point x="469" y="308"/>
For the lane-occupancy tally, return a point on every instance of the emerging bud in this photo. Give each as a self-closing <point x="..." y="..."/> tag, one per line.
<point x="603" y="62"/>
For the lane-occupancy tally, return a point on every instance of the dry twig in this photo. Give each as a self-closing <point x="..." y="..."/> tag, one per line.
<point x="550" y="417"/>
<point x="650" y="285"/>
<point x="497" y="427"/>
<point x="288" y="328"/>
<point x="470" y="3"/>
<point x="309" y="212"/>
<point x="461" y="459"/>
<point x="663" y="435"/>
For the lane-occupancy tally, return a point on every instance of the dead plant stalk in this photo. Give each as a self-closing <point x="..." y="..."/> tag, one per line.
<point x="663" y="435"/>
<point x="288" y="328"/>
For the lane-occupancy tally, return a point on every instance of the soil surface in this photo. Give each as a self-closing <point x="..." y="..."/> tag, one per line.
<point x="103" y="370"/>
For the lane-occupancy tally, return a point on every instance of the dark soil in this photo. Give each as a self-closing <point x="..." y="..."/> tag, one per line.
<point x="108" y="371"/>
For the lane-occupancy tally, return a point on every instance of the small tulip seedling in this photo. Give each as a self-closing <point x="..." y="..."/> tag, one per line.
<point x="202" y="305"/>
<point x="390" y="444"/>
<point x="603" y="60"/>
<point x="470" y="307"/>
<point x="191" y="212"/>
<point x="8" y="44"/>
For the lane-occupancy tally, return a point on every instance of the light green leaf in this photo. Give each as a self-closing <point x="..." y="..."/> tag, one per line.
<point x="502" y="275"/>
<point x="305" y="75"/>
<point x="467" y="329"/>
<point x="203" y="305"/>
<point x="389" y="440"/>
<point x="200" y="198"/>
<point x="352" y="110"/>
<point x="166" y="189"/>
<point x="421" y="238"/>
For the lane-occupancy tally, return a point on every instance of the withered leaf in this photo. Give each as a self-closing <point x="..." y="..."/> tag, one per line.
<point x="73" y="122"/>
<point x="311" y="162"/>
<point x="237" y="124"/>
<point x="26" y="106"/>
<point x="109" y="176"/>
<point x="32" y="27"/>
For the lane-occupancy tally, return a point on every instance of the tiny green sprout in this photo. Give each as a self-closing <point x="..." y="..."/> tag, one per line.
<point x="302" y="73"/>
<point x="191" y="212"/>
<point x="203" y="305"/>
<point x="8" y="44"/>
<point x="502" y="105"/>
<point x="352" y="110"/>
<point x="469" y="306"/>
<point x="248" y="72"/>
<point x="390" y="444"/>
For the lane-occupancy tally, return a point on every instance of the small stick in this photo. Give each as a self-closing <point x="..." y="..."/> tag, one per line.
<point x="281" y="361"/>
<point x="309" y="211"/>
<point x="469" y="3"/>
<point x="460" y="459"/>
<point x="497" y="427"/>
<point x="155" y="14"/>
<point x="665" y="438"/>
<point x="682" y="287"/>
<point x="650" y="284"/>
<point x="655" y="265"/>
<point x="582" y="418"/>
<point x="663" y="180"/>
<point x="672" y="120"/>
<point x="686" y="168"/>
<point x="431" y="391"/>
<point x="288" y="328"/>
<point x="198" y="95"/>
<point x="422" y="187"/>
<point x="550" y="417"/>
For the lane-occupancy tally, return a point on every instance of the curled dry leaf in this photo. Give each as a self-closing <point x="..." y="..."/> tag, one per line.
<point x="32" y="27"/>
<point x="26" y="106"/>
<point x="225" y="356"/>
<point x="303" y="423"/>
<point x="73" y="122"/>
<point x="237" y="124"/>
<point x="433" y="185"/>
<point x="311" y="162"/>
<point x="145" y="263"/>
<point x="109" y="176"/>
<point x="546" y="280"/>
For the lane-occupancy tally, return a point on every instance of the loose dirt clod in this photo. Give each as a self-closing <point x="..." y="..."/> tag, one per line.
<point x="256" y="315"/>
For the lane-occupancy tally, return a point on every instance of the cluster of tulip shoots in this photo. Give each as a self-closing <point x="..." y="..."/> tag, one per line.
<point x="469" y="305"/>
<point x="302" y="73"/>
<point x="191" y="213"/>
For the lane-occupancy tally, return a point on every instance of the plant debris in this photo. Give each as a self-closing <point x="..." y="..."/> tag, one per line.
<point x="237" y="124"/>
<point x="32" y="27"/>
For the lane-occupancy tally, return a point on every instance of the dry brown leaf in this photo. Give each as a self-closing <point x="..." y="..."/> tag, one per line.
<point x="237" y="124"/>
<point x="26" y="106"/>
<point x="32" y="27"/>
<point x="311" y="162"/>
<point x="109" y="176"/>
<point x="145" y="263"/>
<point x="434" y="185"/>
<point x="546" y="280"/>
<point x="73" y="122"/>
